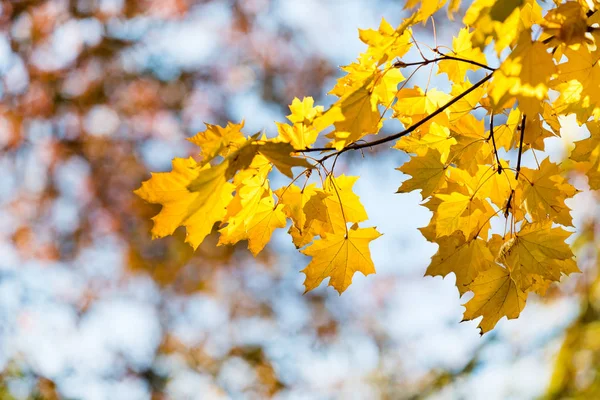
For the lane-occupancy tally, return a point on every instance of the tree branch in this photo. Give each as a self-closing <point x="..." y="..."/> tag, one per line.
<point x="400" y="64"/>
<point x="494" y="143"/>
<point x="520" y="147"/>
<point x="357" y="146"/>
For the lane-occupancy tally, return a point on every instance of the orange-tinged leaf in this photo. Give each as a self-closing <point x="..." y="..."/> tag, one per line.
<point x="338" y="256"/>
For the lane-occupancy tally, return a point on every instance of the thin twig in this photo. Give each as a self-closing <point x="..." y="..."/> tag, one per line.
<point x="356" y="146"/>
<point x="400" y="64"/>
<point x="520" y="146"/>
<point x="494" y="143"/>
<point x="417" y="45"/>
<point x="341" y="204"/>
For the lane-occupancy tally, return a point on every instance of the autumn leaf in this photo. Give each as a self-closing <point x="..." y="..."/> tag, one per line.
<point x="496" y="295"/>
<point x="466" y="259"/>
<point x="427" y="173"/>
<point x="386" y="43"/>
<point x="338" y="256"/>
<point x="279" y="154"/>
<point x="461" y="48"/>
<point x="538" y="250"/>
<point x="216" y="140"/>
<point x="359" y="108"/>
<point x="502" y="9"/>
<point x="497" y="218"/>
<point x="190" y="195"/>
<point x="545" y="191"/>
<point x="258" y="229"/>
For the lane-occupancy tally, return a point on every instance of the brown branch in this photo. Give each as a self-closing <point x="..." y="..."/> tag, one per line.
<point x="401" y="64"/>
<point x="357" y="146"/>
<point x="494" y="143"/>
<point x="520" y="147"/>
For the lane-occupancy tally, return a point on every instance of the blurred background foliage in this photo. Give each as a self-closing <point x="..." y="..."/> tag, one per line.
<point x="96" y="93"/>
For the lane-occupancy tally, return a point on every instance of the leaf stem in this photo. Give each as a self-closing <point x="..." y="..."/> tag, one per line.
<point x="290" y="184"/>
<point x="340" y="200"/>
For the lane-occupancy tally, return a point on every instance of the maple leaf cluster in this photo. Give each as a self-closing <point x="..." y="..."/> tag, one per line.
<point x="461" y="145"/>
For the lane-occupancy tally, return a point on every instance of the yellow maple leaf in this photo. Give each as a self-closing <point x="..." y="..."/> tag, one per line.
<point x="252" y="186"/>
<point x="304" y="111"/>
<point x="567" y="23"/>
<point x="427" y="173"/>
<point x="438" y="137"/>
<point x="386" y="43"/>
<point x="545" y="192"/>
<point x="324" y="210"/>
<point x="588" y="149"/>
<point x="341" y="204"/>
<point x="466" y="259"/>
<point x="502" y="9"/>
<point x="461" y="48"/>
<point x="486" y="183"/>
<point x="496" y="294"/>
<point x="338" y="256"/>
<point x="524" y="75"/>
<point x="191" y="195"/>
<point x="457" y="212"/>
<point x="414" y="104"/>
<point x="577" y="81"/>
<point x="361" y="116"/>
<point x="302" y="135"/>
<point x="299" y="136"/>
<point x="538" y="250"/>
<point x="280" y="155"/>
<point x="504" y="133"/>
<point x="464" y="105"/>
<point x="307" y="210"/>
<point x="427" y="7"/>
<point x="258" y="228"/>
<point x="293" y="200"/>
<point x="217" y="140"/>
